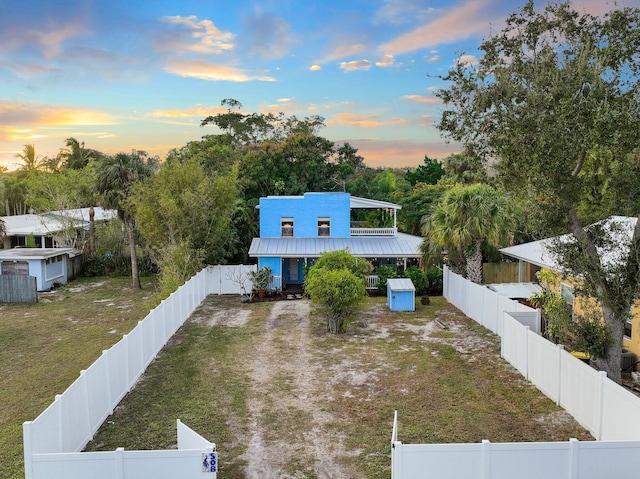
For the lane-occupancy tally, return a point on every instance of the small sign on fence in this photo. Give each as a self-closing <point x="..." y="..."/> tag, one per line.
<point x="210" y="462"/>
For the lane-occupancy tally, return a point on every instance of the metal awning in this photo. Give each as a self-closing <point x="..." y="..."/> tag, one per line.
<point x="400" y="246"/>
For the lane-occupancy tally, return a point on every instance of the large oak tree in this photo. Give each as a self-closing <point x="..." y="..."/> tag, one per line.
<point x="553" y="100"/>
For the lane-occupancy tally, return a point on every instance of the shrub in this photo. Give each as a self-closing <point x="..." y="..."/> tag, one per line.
<point x="338" y="293"/>
<point x="385" y="273"/>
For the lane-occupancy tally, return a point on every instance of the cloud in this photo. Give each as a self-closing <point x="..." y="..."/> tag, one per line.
<point x="205" y="70"/>
<point x="267" y="36"/>
<point x="199" y="111"/>
<point x="363" y="121"/>
<point x="385" y="61"/>
<point x="315" y="68"/>
<point x="467" y="60"/>
<point x="343" y="51"/>
<point x="355" y="65"/>
<point x="423" y="99"/>
<point x="461" y="23"/>
<point x="192" y="34"/>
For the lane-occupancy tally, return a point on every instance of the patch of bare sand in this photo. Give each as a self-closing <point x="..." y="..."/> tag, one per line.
<point x="214" y="314"/>
<point x="285" y="352"/>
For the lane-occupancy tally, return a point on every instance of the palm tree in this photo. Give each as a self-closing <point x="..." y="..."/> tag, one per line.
<point x="464" y="219"/>
<point x="116" y="175"/>
<point x="75" y="156"/>
<point x="30" y="161"/>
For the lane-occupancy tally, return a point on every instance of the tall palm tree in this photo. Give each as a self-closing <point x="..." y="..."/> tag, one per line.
<point x="75" y="155"/>
<point x="30" y="161"/>
<point x="464" y="219"/>
<point x="115" y="177"/>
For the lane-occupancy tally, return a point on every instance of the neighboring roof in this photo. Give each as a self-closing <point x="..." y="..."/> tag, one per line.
<point x="32" y="225"/>
<point x="53" y="221"/>
<point x="515" y="290"/>
<point x="400" y="246"/>
<point x="400" y="284"/>
<point x="16" y="254"/>
<point x="539" y="253"/>
<point x="82" y="214"/>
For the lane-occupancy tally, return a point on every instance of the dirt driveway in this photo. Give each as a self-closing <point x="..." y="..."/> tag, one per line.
<point x="312" y="397"/>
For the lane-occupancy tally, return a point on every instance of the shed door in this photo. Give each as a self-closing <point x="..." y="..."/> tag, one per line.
<point x="15" y="267"/>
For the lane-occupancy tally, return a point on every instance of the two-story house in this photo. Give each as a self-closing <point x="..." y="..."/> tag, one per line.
<point x="296" y="230"/>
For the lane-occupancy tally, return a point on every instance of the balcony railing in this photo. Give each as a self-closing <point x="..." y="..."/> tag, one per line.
<point x="373" y="231"/>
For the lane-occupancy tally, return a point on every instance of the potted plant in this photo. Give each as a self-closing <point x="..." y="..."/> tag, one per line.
<point x="260" y="279"/>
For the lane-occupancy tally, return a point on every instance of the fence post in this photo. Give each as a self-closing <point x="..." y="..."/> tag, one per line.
<point x="559" y="392"/>
<point x="527" y="330"/>
<point x="107" y="380"/>
<point x="87" y="411"/>
<point x="119" y="458"/>
<point x="485" y="473"/>
<point x="26" y="443"/>
<point x="574" y="445"/>
<point x="600" y="403"/>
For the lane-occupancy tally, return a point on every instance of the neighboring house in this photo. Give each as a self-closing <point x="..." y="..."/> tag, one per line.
<point x="296" y="230"/>
<point x="538" y="254"/>
<point x="49" y="266"/>
<point x="55" y="229"/>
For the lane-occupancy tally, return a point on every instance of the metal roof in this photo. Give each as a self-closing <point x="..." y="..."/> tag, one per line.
<point x="400" y="246"/>
<point x="515" y="290"/>
<point x="400" y="284"/>
<point x="539" y="252"/>
<point x="357" y="202"/>
<point x="53" y="221"/>
<point x="16" y="254"/>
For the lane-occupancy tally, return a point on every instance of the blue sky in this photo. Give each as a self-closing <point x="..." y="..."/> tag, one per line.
<point x="142" y="74"/>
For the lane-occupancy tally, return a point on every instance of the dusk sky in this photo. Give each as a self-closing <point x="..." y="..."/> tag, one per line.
<point x="119" y="75"/>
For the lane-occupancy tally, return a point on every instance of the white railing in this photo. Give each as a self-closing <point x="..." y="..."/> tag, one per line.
<point x="608" y="411"/>
<point x="372" y="281"/>
<point x="275" y="283"/>
<point x="374" y="231"/>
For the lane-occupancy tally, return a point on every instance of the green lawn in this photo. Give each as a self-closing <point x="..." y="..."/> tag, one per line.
<point x="44" y="346"/>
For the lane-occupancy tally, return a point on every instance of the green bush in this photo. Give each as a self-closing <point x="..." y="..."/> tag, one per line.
<point x="434" y="281"/>
<point x="338" y="293"/>
<point x="385" y="273"/>
<point x="418" y="278"/>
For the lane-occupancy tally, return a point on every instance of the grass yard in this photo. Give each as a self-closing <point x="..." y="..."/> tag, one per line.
<point x="44" y="346"/>
<point x="282" y="398"/>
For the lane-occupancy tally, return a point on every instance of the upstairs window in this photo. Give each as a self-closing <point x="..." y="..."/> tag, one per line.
<point x="287" y="226"/>
<point x="324" y="226"/>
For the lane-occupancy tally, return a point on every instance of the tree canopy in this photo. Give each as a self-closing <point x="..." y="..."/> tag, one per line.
<point x="552" y="102"/>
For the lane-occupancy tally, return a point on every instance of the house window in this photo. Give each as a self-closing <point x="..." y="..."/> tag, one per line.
<point x="628" y="328"/>
<point x="566" y="292"/>
<point x="324" y="226"/>
<point x="287" y="226"/>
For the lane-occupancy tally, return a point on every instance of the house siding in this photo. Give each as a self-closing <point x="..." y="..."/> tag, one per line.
<point x="305" y="211"/>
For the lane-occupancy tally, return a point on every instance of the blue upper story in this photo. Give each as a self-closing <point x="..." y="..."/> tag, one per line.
<point x="310" y="216"/>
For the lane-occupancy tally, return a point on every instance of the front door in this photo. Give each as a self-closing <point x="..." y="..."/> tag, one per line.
<point x="292" y="269"/>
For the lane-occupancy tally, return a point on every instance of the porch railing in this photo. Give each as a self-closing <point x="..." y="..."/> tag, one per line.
<point x="373" y="231"/>
<point x="372" y="281"/>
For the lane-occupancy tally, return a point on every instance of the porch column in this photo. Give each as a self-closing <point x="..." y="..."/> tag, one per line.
<point x="520" y="270"/>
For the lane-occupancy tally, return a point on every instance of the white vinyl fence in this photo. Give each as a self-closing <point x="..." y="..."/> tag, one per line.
<point x="608" y="411"/>
<point x="53" y="440"/>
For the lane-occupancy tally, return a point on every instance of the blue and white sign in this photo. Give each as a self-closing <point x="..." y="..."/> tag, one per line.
<point x="210" y="462"/>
